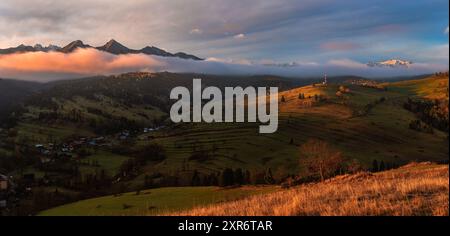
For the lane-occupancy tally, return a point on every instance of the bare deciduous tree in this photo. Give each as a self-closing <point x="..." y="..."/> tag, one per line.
<point x="320" y="158"/>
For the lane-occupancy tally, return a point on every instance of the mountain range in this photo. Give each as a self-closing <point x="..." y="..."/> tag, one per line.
<point x="112" y="46"/>
<point x="390" y="63"/>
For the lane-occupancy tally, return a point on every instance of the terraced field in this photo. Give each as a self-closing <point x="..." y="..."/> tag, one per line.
<point x="382" y="133"/>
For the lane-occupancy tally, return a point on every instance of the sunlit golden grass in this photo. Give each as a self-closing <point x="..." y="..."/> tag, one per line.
<point x="416" y="189"/>
<point x="294" y="105"/>
<point x="433" y="87"/>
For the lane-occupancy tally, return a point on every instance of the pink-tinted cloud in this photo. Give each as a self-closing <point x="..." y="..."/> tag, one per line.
<point x="347" y="63"/>
<point x="339" y="46"/>
<point x="80" y="62"/>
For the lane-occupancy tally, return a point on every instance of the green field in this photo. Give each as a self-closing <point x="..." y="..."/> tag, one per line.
<point x="154" y="201"/>
<point x="46" y="133"/>
<point x="102" y="161"/>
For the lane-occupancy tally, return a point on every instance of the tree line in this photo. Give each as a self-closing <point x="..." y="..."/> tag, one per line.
<point x="433" y="113"/>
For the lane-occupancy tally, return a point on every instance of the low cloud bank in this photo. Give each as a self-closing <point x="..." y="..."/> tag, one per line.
<point x="42" y="66"/>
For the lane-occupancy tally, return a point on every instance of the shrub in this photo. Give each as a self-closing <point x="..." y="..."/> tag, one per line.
<point x="320" y="158"/>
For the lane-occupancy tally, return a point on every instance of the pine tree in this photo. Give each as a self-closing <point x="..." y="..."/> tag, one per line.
<point x="238" y="176"/>
<point x="268" y="178"/>
<point x="375" y="166"/>
<point x="247" y="178"/>
<point x="382" y="167"/>
<point x="227" y="177"/>
<point x="195" y="179"/>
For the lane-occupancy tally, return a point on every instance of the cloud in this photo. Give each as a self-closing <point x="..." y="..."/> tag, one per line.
<point x="446" y="31"/>
<point x="390" y="28"/>
<point x="45" y="66"/>
<point x="196" y="31"/>
<point x="41" y="66"/>
<point x="230" y="61"/>
<point x="239" y="36"/>
<point x="279" y="30"/>
<point x="433" y="54"/>
<point x="347" y="63"/>
<point x="339" y="46"/>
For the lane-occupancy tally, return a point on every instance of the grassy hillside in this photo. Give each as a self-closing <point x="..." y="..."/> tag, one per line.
<point x="363" y="123"/>
<point x="433" y="87"/>
<point x="154" y="201"/>
<point x="416" y="189"/>
<point x="134" y="100"/>
<point x="380" y="132"/>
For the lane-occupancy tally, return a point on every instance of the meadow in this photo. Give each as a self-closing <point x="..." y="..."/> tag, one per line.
<point x="155" y="201"/>
<point x="419" y="189"/>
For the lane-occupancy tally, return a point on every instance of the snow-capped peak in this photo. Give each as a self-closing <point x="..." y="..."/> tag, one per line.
<point x="391" y="63"/>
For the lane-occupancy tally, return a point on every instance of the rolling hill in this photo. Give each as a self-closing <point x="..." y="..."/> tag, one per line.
<point x="12" y="92"/>
<point x="138" y="98"/>
<point x="364" y="119"/>
<point x="432" y="87"/>
<point x="413" y="190"/>
<point x="380" y="132"/>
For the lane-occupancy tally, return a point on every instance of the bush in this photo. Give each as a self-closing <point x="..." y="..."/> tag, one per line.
<point x="320" y="158"/>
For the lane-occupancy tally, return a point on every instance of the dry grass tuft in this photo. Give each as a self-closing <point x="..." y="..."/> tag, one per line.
<point x="417" y="189"/>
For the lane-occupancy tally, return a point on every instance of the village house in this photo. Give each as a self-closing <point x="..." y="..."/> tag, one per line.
<point x="124" y="135"/>
<point x="65" y="148"/>
<point x="45" y="160"/>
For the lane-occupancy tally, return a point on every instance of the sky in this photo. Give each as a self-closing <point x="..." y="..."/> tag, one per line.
<point x="243" y="33"/>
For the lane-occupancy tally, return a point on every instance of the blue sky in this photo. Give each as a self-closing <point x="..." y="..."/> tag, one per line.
<point x="242" y="31"/>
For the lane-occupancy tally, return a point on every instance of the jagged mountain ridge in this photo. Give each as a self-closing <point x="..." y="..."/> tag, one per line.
<point x="26" y="48"/>
<point x="73" y="46"/>
<point x="112" y="46"/>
